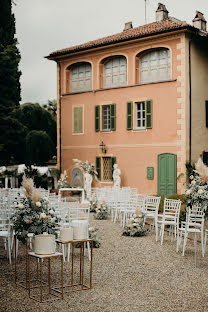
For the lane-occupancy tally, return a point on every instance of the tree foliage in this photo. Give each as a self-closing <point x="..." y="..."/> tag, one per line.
<point x="9" y="86"/>
<point x="51" y="107"/>
<point x="39" y="148"/>
<point x="35" y="117"/>
<point x="9" y="60"/>
<point x="27" y="132"/>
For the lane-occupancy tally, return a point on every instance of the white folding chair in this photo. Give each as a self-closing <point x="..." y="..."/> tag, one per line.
<point x="150" y="211"/>
<point x="6" y="232"/>
<point x="170" y="216"/>
<point x="194" y="225"/>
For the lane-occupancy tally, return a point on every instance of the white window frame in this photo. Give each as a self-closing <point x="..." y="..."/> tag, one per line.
<point x="141" y="118"/>
<point x="113" y="73"/>
<point x="155" y="66"/>
<point x="106" y="127"/>
<point x="80" y="76"/>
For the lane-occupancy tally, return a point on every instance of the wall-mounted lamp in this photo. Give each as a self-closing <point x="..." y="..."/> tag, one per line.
<point x="103" y="147"/>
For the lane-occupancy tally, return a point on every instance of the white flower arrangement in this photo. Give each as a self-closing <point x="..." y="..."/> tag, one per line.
<point x="135" y="226"/>
<point x="62" y="182"/>
<point x="32" y="214"/>
<point x="101" y="211"/>
<point x="87" y="167"/>
<point x="197" y="192"/>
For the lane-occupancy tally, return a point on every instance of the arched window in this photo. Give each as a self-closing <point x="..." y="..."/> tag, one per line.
<point x="114" y="72"/>
<point x="154" y="66"/>
<point x="80" y="77"/>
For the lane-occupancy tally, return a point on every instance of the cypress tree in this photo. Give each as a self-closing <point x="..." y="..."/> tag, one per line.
<point x="9" y="86"/>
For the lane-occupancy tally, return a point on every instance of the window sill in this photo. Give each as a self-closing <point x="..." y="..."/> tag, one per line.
<point x="106" y="131"/>
<point x="139" y="130"/>
<point x="121" y="87"/>
<point x="77" y="92"/>
<point x="77" y="133"/>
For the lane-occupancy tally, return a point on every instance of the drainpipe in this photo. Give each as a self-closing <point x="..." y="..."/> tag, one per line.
<point x="190" y="97"/>
<point x="59" y="66"/>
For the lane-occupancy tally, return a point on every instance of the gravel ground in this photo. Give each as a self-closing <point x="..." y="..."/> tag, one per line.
<point x="129" y="274"/>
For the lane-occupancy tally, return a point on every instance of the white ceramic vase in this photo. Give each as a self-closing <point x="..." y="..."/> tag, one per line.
<point x="45" y="244"/>
<point x="66" y="234"/>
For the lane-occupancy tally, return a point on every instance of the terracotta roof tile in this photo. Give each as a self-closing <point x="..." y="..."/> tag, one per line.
<point x="145" y="30"/>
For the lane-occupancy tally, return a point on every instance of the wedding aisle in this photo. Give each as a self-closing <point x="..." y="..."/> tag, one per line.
<point x="129" y="274"/>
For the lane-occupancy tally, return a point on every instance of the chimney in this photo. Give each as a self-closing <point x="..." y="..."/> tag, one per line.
<point x="199" y="21"/>
<point x="128" y="26"/>
<point x="161" y="13"/>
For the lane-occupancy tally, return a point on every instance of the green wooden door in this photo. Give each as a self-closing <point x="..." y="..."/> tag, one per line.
<point x="167" y="170"/>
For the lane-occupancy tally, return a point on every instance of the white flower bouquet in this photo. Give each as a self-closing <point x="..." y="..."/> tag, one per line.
<point x="87" y="167"/>
<point x="62" y="182"/>
<point x="135" y="226"/>
<point x="101" y="211"/>
<point x="197" y="191"/>
<point x="32" y="214"/>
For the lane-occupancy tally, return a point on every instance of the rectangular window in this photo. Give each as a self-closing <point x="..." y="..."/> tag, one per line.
<point x="140" y="115"/>
<point x="106" y="173"/>
<point x="78" y="119"/>
<point x="106" y="117"/>
<point x="104" y="168"/>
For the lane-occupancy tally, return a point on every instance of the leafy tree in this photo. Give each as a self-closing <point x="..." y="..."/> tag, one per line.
<point x="9" y="86"/>
<point x="35" y="117"/>
<point x="51" y="107"/>
<point x="12" y="148"/>
<point x="39" y="148"/>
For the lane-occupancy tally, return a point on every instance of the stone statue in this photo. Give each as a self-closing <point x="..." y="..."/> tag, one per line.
<point x="88" y="183"/>
<point x="116" y="176"/>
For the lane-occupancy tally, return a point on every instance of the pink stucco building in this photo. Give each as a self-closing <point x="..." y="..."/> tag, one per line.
<point x="138" y="98"/>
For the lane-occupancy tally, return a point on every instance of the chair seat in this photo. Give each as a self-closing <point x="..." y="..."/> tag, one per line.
<point x="167" y="222"/>
<point x="4" y="233"/>
<point x="149" y="215"/>
<point x="193" y="230"/>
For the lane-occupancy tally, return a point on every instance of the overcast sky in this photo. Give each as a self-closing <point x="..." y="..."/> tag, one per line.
<point x="43" y="26"/>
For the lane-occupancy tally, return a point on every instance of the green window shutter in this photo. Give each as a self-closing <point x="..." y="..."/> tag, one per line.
<point x="113" y="162"/>
<point x="113" y="117"/>
<point x="97" y="118"/>
<point x="149" y="114"/>
<point x="78" y="120"/>
<point x="129" y="115"/>
<point x="206" y="108"/>
<point x="98" y="167"/>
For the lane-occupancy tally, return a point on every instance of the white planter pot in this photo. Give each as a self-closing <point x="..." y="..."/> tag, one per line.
<point x="66" y="234"/>
<point x="80" y="229"/>
<point x="45" y="244"/>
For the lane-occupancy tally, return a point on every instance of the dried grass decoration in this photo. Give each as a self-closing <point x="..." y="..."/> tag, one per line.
<point x="32" y="213"/>
<point x="135" y="227"/>
<point x="202" y="170"/>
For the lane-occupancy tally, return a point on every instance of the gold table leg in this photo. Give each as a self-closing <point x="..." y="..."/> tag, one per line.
<point x="49" y="275"/>
<point x="41" y="277"/>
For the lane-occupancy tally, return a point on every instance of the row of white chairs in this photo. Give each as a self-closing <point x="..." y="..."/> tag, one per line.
<point x="124" y="202"/>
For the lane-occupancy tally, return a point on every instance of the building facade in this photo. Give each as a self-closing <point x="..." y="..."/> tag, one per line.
<point x="138" y="99"/>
